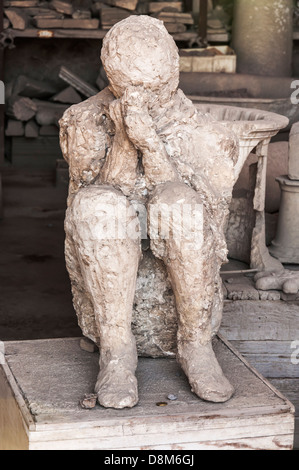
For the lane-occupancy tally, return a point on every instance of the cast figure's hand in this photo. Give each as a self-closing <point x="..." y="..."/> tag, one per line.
<point x="139" y="124"/>
<point x="119" y="169"/>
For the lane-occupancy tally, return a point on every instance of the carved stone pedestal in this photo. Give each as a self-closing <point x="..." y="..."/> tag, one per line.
<point x="285" y="246"/>
<point x="42" y="382"/>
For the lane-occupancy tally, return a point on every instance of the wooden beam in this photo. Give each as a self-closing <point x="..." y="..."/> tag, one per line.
<point x="58" y="33"/>
<point x="203" y="20"/>
<point x="81" y="34"/>
<point x="76" y="82"/>
<point x="2" y="109"/>
<point x="18" y="18"/>
<point x="2" y="106"/>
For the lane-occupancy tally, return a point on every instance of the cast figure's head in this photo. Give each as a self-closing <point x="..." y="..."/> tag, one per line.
<point x="139" y="51"/>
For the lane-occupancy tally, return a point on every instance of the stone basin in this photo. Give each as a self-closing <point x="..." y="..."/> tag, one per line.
<point x="255" y="128"/>
<point x="252" y="126"/>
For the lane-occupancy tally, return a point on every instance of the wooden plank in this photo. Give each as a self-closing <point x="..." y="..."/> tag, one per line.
<point x="27" y="86"/>
<point x="58" y="33"/>
<point x="49" y="113"/>
<point x="169" y="17"/>
<point x="187" y="36"/>
<point x="203" y="20"/>
<point x="39" y="148"/>
<point x="14" y="128"/>
<point x="81" y="14"/>
<point x="155" y="7"/>
<point x="68" y="95"/>
<point x="16" y="421"/>
<point x="126" y="4"/>
<point x="17" y="17"/>
<point x="21" y="3"/>
<point x="66" y="23"/>
<point x="289" y="388"/>
<point x="80" y="85"/>
<point x="260" y="321"/>
<point x="250" y="367"/>
<point x="31" y="130"/>
<point x="44" y="12"/>
<point x="13" y="435"/>
<point x="261" y="443"/>
<point x="194" y="428"/>
<point x="1" y="198"/>
<point x="82" y="34"/>
<point x="62" y="178"/>
<point x="6" y="23"/>
<point x="175" y="27"/>
<point x="218" y="38"/>
<point x="63" y="6"/>
<point x="41" y="152"/>
<point x="271" y="358"/>
<point x="21" y="108"/>
<point x="2" y="105"/>
<point x="265" y="333"/>
<point x="198" y="435"/>
<point x="110" y="16"/>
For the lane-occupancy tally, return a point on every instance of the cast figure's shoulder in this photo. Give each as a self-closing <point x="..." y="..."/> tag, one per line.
<point x="85" y="136"/>
<point x="93" y="106"/>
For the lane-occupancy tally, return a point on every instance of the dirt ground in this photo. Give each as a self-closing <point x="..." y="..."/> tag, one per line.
<point x="35" y="296"/>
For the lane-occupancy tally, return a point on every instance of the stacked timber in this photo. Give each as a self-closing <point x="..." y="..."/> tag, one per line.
<point x="171" y="13"/>
<point x="33" y="110"/>
<point x="91" y="14"/>
<point x="52" y="14"/>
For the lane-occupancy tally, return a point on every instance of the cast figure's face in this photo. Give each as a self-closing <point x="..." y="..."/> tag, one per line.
<point x="138" y="51"/>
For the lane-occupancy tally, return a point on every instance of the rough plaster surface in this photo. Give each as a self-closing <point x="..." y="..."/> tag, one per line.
<point x="137" y="147"/>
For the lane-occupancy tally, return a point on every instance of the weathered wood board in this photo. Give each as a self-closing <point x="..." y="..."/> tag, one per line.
<point x="42" y="412"/>
<point x="41" y="152"/>
<point x="266" y="333"/>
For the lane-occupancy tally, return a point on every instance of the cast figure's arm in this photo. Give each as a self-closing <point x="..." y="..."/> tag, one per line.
<point x="120" y="167"/>
<point x="157" y="165"/>
<point x="84" y="137"/>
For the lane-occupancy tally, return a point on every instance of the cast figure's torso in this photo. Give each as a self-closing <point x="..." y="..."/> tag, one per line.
<point x="202" y="150"/>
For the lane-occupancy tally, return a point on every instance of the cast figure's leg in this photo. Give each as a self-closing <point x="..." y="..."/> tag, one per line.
<point x="181" y="237"/>
<point x="104" y="230"/>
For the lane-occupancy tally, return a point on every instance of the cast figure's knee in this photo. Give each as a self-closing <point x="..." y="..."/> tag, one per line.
<point x="102" y="212"/>
<point x="175" y="220"/>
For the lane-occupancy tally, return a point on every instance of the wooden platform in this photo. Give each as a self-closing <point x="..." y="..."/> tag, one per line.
<point x="42" y="382"/>
<point x="266" y="334"/>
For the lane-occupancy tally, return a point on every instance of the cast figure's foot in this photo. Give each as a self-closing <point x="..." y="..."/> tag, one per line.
<point x="204" y="372"/>
<point x="284" y="280"/>
<point x="116" y="386"/>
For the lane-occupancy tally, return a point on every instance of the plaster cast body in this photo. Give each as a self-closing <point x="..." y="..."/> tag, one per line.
<point x="143" y="148"/>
